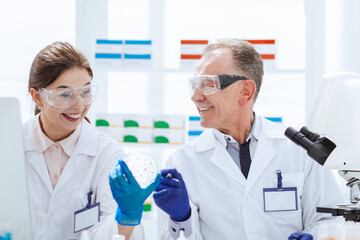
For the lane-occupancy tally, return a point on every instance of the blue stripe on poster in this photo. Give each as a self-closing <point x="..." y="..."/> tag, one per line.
<point x="195" y="133"/>
<point x="104" y="41"/>
<point x="142" y="42"/>
<point x="108" y="55"/>
<point x="194" y="118"/>
<point x="137" y="56"/>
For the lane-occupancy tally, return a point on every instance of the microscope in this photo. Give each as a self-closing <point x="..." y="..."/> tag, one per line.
<point x="335" y="117"/>
<point x="320" y="148"/>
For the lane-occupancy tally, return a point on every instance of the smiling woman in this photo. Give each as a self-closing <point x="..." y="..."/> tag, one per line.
<point x="58" y="139"/>
<point x="59" y="69"/>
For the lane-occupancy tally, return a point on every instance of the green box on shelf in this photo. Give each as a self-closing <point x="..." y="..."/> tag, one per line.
<point x="131" y="123"/>
<point x="169" y="121"/>
<point x="102" y="123"/>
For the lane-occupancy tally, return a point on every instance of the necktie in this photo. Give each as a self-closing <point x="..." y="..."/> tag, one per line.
<point x="245" y="159"/>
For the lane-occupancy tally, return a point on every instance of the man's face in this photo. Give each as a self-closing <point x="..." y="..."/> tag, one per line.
<point x="218" y="110"/>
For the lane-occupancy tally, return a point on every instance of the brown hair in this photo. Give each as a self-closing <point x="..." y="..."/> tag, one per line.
<point x="247" y="61"/>
<point x="51" y="62"/>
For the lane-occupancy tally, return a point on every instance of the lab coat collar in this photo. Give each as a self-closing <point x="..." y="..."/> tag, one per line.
<point x="208" y="138"/>
<point x="253" y="135"/>
<point x="42" y="141"/>
<point x="205" y="141"/>
<point x="87" y="143"/>
<point x="263" y="155"/>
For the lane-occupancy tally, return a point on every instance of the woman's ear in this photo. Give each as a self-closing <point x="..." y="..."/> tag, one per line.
<point x="248" y="88"/>
<point x="35" y="95"/>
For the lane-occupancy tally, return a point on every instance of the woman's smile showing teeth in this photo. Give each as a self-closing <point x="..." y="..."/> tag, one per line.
<point x="72" y="117"/>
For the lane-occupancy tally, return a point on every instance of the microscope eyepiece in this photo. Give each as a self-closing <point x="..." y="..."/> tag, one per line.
<point x="318" y="148"/>
<point x="310" y="135"/>
<point x="298" y="138"/>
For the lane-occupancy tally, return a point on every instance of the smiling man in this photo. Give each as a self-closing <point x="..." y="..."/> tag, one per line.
<point x="242" y="178"/>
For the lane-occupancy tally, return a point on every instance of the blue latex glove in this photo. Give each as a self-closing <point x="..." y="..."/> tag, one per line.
<point x="128" y="194"/>
<point x="171" y="195"/>
<point x="301" y="236"/>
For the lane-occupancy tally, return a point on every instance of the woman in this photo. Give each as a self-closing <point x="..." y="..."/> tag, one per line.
<point x="68" y="160"/>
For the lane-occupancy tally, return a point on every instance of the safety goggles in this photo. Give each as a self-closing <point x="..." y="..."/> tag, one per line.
<point x="66" y="98"/>
<point x="209" y="84"/>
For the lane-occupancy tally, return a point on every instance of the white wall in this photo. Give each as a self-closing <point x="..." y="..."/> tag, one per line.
<point x="25" y="28"/>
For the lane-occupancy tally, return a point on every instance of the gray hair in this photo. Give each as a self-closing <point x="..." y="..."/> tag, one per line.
<point x="247" y="61"/>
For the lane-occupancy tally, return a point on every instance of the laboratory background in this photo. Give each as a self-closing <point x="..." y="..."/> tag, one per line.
<point x="143" y="51"/>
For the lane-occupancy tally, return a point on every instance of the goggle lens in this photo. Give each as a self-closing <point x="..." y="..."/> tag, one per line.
<point x="68" y="97"/>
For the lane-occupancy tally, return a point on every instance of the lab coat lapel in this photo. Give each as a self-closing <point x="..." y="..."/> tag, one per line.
<point x="220" y="158"/>
<point x="78" y="161"/>
<point x="37" y="162"/>
<point x="262" y="157"/>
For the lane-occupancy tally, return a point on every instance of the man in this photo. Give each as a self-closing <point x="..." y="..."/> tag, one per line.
<point x="242" y="178"/>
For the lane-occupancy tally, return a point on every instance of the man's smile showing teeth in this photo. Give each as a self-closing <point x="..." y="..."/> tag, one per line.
<point x="205" y="108"/>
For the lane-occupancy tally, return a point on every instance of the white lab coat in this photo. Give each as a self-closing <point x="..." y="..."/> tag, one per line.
<point x="225" y="205"/>
<point x="87" y="169"/>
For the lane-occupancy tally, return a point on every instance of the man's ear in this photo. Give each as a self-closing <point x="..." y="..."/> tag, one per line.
<point x="35" y="95"/>
<point x="248" y="88"/>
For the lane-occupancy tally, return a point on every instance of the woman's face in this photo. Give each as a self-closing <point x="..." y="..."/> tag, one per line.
<point x="58" y="123"/>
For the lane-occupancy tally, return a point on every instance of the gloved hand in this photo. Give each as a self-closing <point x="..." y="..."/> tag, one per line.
<point x="128" y="194"/>
<point x="301" y="236"/>
<point x="171" y="195"/>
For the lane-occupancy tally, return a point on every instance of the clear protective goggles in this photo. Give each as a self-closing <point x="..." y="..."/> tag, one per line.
<point x="209" y="84"/>
<point x="67" y="97"/>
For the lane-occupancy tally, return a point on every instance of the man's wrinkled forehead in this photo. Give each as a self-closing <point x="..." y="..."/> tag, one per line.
<point x="216" y="62"/>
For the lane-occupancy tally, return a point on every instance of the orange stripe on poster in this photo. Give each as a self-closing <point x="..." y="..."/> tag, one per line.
<point x="269" y="41"/>
<point x="190" y="56"/>
<point x="194" y="41"/>
<point x="267" y="56"/>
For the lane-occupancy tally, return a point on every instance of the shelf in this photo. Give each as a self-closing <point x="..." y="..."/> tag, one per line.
<point x="145" y="70"/>
<point x="187" y="70"/>
<point x="151" y="145"/>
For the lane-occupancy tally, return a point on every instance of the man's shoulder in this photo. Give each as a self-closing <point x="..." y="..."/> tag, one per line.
<point x="270" y="128"/>
<point x="204" y="139"/>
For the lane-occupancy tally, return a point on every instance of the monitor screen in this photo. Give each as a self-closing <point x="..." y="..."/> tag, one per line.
<point x="14" y="205"/>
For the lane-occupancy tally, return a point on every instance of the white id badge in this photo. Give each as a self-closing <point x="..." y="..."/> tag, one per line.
<point x="86" y="217"/>
<point x="280" y="199"/>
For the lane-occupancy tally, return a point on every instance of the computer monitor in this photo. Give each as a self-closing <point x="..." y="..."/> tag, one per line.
<point x="14" y="205"/>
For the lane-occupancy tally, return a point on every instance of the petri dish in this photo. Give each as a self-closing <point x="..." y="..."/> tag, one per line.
<point x="143" y="167"/>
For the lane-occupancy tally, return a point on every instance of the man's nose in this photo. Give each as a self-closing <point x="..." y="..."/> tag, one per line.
<point x="197" y="95"/>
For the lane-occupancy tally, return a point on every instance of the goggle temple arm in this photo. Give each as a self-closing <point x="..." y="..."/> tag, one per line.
<point x="227" y="80"/>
